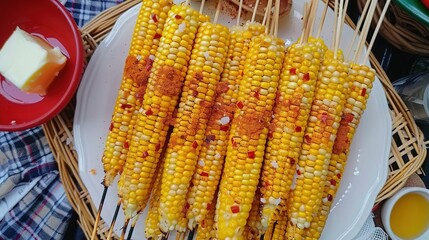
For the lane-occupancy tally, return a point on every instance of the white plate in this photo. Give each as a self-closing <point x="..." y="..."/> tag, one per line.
<point x="364" y="176"/>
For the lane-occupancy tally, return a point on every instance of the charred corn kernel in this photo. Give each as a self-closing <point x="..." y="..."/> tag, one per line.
<point x="325" y="116"/>
<point x="279" y="228"/>
<point x="144" y="44"/>
<point x="152" y="230"/>
<point x="160" y="100"/>
<point x="291" y="112"/>
<point x="212" y="153"/>
<point x="360" y="81"/>
<point x="248" y="136"/>
<point x="252" y="228"/>
<point x="207" y="228"/>
<point x="195" y="105"/>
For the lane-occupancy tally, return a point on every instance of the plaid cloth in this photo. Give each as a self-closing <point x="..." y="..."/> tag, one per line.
<point x="39" y="208"/>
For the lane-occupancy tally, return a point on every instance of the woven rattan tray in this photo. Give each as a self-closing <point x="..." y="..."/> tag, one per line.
<point x="407" y="150"/>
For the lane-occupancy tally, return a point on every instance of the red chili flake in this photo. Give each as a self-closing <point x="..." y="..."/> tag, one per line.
<point x="270" y="135"/>
<point x="363" y="92"/>
<point x="157" y="36"/>
<point x="224" y="128"/>
<point x="306" y="76"/>
<point x="145" y="154"/>
<point x="324" y="117"/>
<point x="235" y="209"/>
<point x="339" y="175"/>
<point x="194" y="144"/>
<point x="307" y="139"/>
<point x="209" y="206"/>
<point x="203" y="223"/>
<point x="292" y="161"/>
<point x="333" y="182"/>
<point x="329" y="197"/>
<point x="154" y="17"/>
<point x="240" y="105"/>
<point x="149" y="112"/>
<point x="111" y="126"/>
<point x="348" y="117"/>
<point x="125" y="106"/>
<point x="157" y="147"/>
<point x="298" y="172"/>
<point x="266" y="184"/>
<point x="204" y="174"/>
<point x="209" y="138"/>
<point x="178" y="17"/>
<point x="292" y="71"/>
<point x="251" y="154"/>
<point x="194" y="93"/>
<point x="298" y="129"/>
<point x="126" y="145"/>
<point x="234" y="143"/>
<point x="256" y="94"/>
<point x="231" y="57"/>
<point x="149" y="64"/>
<point x="277" y="97"/>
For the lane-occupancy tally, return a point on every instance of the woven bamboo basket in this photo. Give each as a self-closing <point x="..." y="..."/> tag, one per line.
<point x="407" y="149"/>
<point x="401" y="30"/>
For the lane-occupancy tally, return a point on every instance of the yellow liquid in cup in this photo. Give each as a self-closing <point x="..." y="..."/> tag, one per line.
<point x="410" y="216"/>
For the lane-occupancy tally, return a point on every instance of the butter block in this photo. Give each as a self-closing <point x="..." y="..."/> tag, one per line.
<point x="29" y="62"/>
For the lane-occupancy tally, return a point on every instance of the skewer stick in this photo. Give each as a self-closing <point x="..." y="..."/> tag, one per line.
<point x="112" y="224"/>
<point x="187" y="3"/>
<point x="100" y="208"/>
<point x="240" y="7"/>
<point x="322" y="20"/>
<point x="202" y="6"/>
<point x="377" y="28"/>
<point x="124" y="228"/>
<point x="314" y="6"/>
<point x="338" y="28"/>
<point x="335" y="23"/>
<point x="219" y="5"/>
<point x="276" y="18"/>
<point x="255" y="10"/>
<point x="267" y="10"/>
<point x="359" y="24"/>
<point x="346" y="5"/>
<point x="365" y="29"/>
<point x="133" y="224"/>
<point x="304" y="24"/>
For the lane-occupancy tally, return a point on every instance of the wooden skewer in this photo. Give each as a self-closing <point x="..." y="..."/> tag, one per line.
<point x="112" y="224"/>
<point x="255" y="10"/>
<point x="219" y="5"/>
<point x="322" y="20"/>
<point x="359" y="24"/>
<point x="314" y="5"/>
<point x="124" y="228"/>
<point x="202" y="6"/>
<point x="338" y="28"/>
<point x="240" y="7"/>
<point x="100" y="208"/>
<point x="377" y="28"/>
<point x="133" y="224"/>
<point x="335" y="23"/>
<point x="276" y="18"/>
<point x="187" y="3"/>
<point x="267" y="10"/>
<point x="365" y="29"/>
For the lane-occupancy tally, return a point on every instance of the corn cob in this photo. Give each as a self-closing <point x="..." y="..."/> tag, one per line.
<point x="212" y="153"/>
<point x="295" y="95"/>
<point x="252" y="228"/>
<point x="207" y="228"/>
<point x="325" y="116"/>
<point x="152" y="230"/>
<point x="279" y="232"/>
<point x="206" y="65"/>
<point x="360" y="81"/>
<point x="144" y="44"/>
<point x="249" y="130"/>
<point x="160" y="100"/>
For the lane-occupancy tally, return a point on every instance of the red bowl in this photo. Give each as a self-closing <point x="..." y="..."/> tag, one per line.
<point x="50" y="20"/>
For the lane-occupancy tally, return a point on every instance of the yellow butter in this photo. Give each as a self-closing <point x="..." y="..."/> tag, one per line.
<point x="29" y="62"/>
